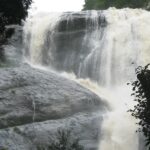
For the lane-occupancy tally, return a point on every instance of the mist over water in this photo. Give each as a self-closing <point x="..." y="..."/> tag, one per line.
<point x="100" y="50"/>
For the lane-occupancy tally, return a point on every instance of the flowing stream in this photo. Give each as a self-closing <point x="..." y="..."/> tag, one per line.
<point x="100" y="50"/>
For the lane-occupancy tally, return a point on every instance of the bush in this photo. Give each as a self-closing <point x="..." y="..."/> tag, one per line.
<point x="141" y="93"/>
<point x="63" y="142"/>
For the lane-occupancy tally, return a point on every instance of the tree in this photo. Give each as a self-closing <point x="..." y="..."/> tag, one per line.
<point x="104" y="4"/>
<point x="11" y="12"/>
<point x="141" y="93"/>
<point x="14" y="10"/>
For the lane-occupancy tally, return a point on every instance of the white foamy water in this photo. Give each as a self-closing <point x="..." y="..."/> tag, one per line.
<point x="101" y="49"/>
<point x="36" y="29"/>
<point x="118" y="129"/>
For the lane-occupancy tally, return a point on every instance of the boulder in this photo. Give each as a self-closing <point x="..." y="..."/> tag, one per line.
<point x="34" y="104"/>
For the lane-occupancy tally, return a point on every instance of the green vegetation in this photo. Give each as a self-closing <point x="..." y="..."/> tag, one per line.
<point x="104" y="4"/>
<point x="2" y="64"/>
<point x="11" y="12"/>
<point x="141" y="93"/>
<point x="63" y="141"/>
<point x="4" y="148"/>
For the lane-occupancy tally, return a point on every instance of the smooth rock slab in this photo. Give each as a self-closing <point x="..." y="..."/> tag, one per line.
<point x="84" y="126"/>
<point x="29" y="96"/>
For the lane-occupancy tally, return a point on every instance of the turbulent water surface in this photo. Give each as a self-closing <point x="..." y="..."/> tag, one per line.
<point x="100" y="50"/>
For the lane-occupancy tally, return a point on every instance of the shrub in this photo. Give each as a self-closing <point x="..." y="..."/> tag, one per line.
<point x="141" y="93"/>
<point x="63" y="142"/>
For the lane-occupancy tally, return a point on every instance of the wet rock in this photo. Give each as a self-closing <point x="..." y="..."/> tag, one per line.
<point x="34" y="104"/>
<point x="80" y="21"/>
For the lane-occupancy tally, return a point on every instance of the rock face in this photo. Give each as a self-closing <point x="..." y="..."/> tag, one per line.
<point x="67" y="43"/>
<point x="80" y="21"/>
<point x="34" y="104"/>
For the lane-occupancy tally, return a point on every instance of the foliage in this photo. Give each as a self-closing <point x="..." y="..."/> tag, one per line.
<point x="11" y="12"/>
<point x="141" y="93"/>
<point x="3" y="148"/>
<point x="104" y="4"/>
<point x="63" y="142"/>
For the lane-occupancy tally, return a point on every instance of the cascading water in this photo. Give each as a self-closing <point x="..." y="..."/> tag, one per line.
<point x="103" y="46"/>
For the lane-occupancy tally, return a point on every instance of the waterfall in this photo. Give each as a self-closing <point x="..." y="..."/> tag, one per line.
<point x="102" y="49"/>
